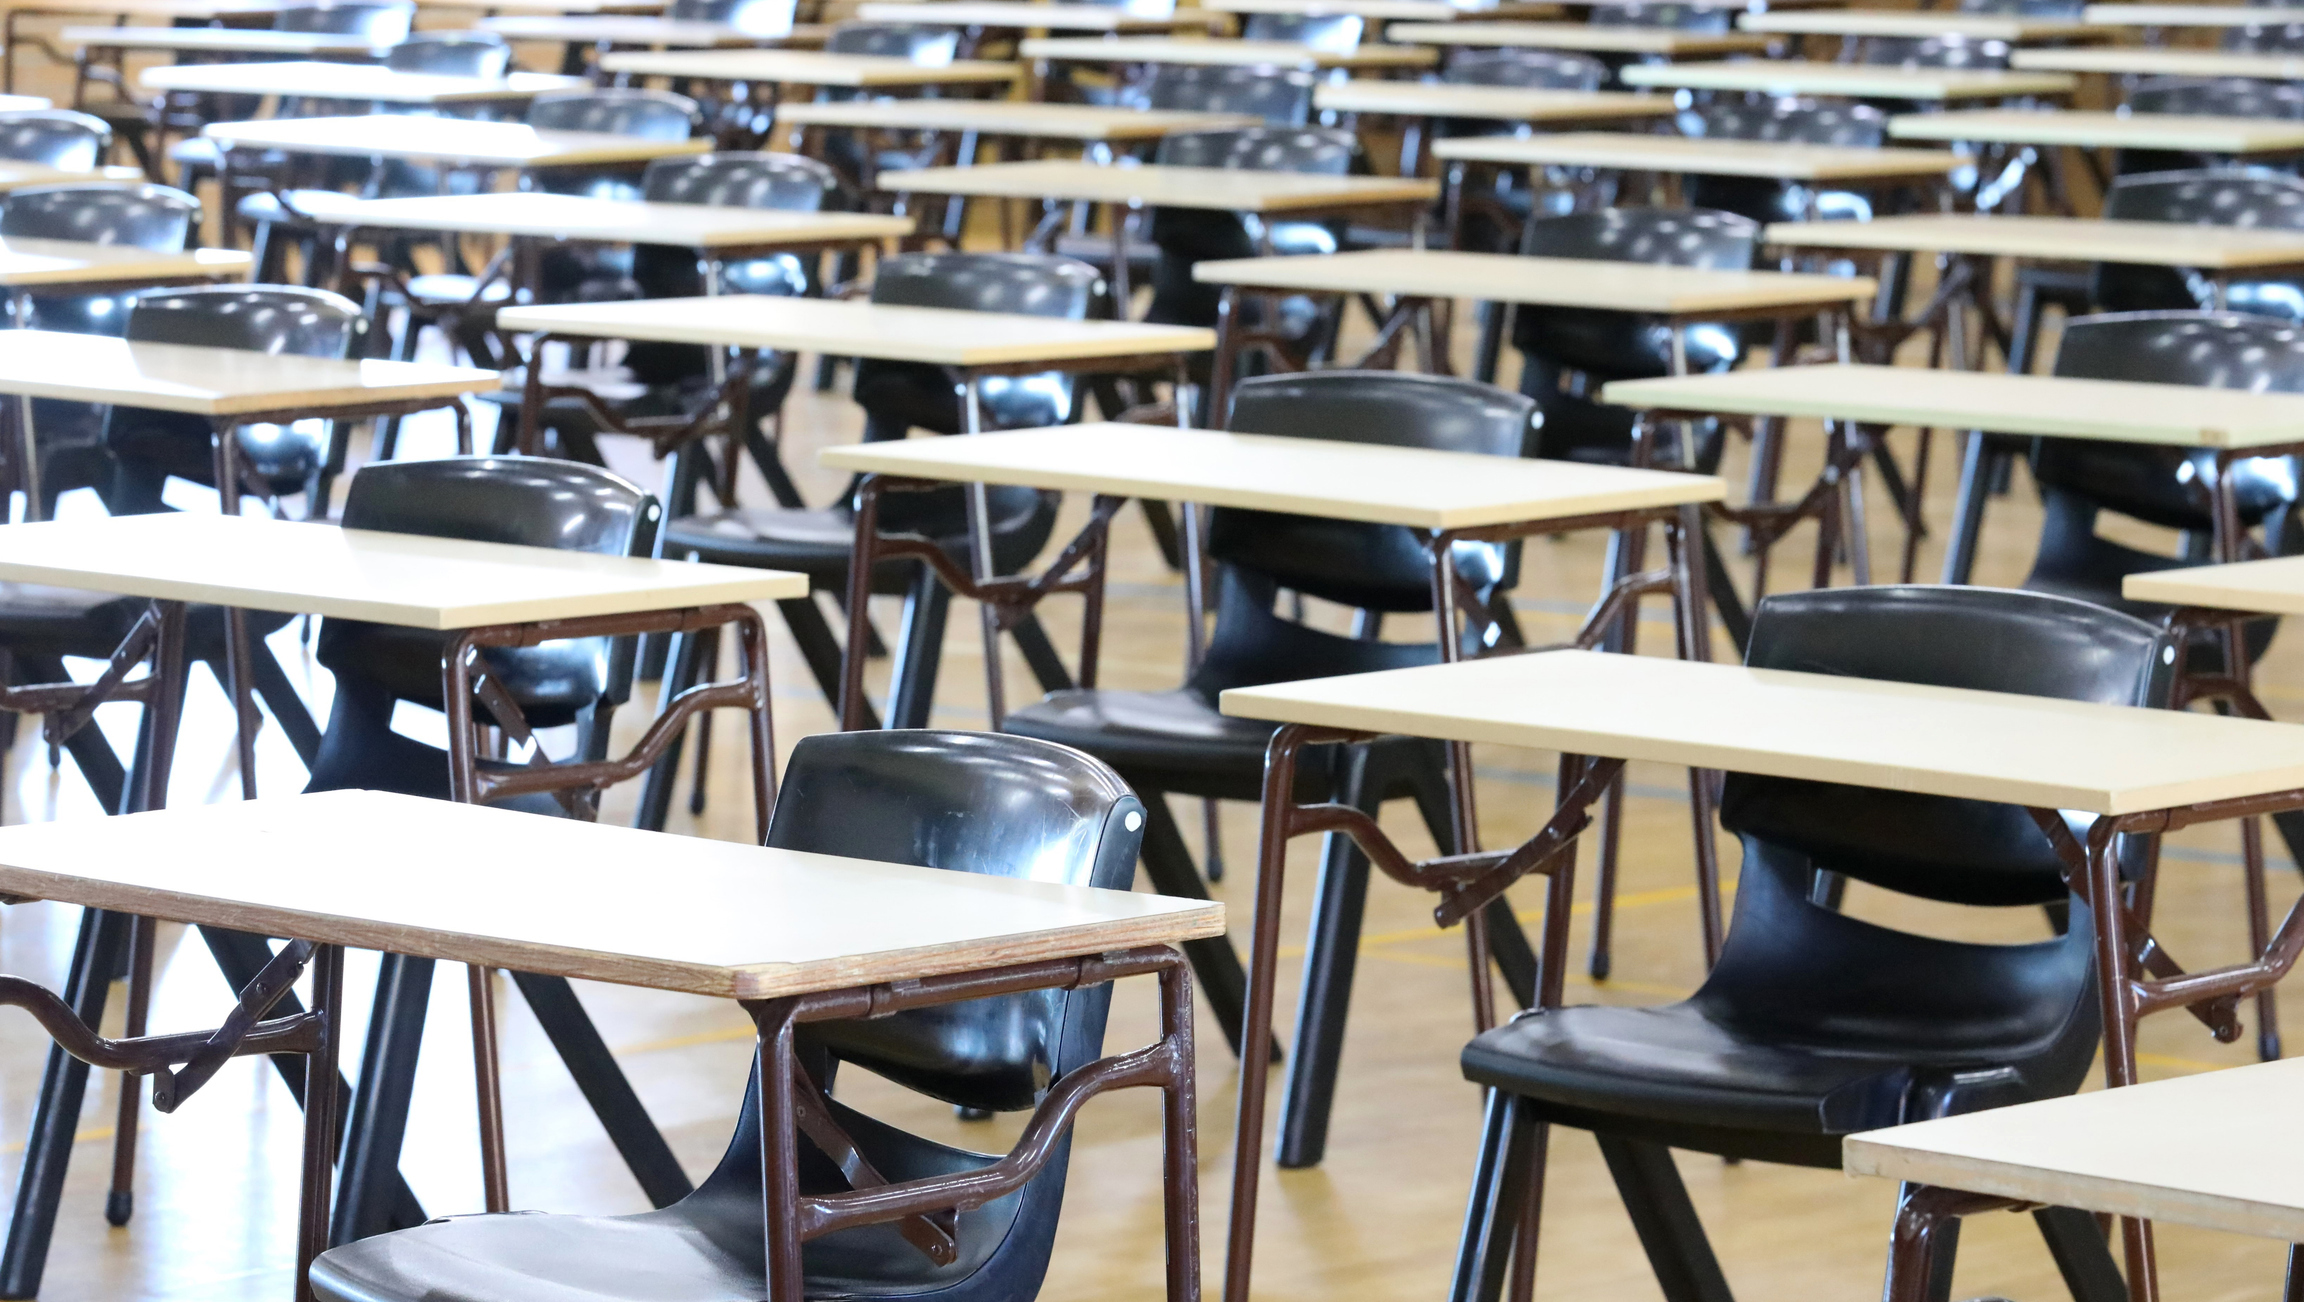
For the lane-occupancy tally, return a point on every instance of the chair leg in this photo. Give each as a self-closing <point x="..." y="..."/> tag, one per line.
<point x="603" y="1084"/>
<point x="1040" y="655"/>
<point x="286" y="704"/>
<point x="1215" y="964"/>
<point x="2076" y="1240"/>
<point x="1507" y="1178"/>
<point x="120" y="1203"/>
<point x="1162" y="522"/>
<point x="1944" y="1251"/>
<point x="804" y="619"/>
<point x="1665" y="1220"/>
<point x="378" y="1122"/>
<point x="919" y="650"/>
<point x="1508" y="943"/>
<point x="680" y="673"/>
<point x="1329" y="963"/>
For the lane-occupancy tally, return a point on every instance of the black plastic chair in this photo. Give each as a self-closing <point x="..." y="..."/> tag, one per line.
<point x="1848" y="126"/>
<point x="58" y="138"/>
<point x="1813" y="1025"/>
<point x="2025" y="8"/>
<point x="617" y="111"/>
<point x="1526" y="69"/>
<point x="1282" y="97"/>
<point x="763" y="17"/>
<point x="913" y="43"/>
<point x="2266" y="38"/>
<point x="1679" y="17"/>
<point x="1333" y="33"/>
<point x="451" y="54"/>
<point x="1567" y="353"/>
<point x="2235" y="97"/>
<point x="1176" y="741"/>
<point x="380" y="23"/>
<point x="967" y="802"/>
<point x="1936" y="52"/>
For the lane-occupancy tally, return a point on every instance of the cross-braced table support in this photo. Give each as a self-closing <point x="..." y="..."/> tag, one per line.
<point x="792" y="1105"/>
<point x="1471" y="882"/>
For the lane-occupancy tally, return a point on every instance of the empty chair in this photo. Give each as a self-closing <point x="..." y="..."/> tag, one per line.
<point x="451" y="54"/>
<point x="1568" y="353"/>
<point x="2025" y="8"/>
<point x="1176" y="742"/>
<point x="1526" y="69"/>
<point x="383" y="23"/>
<point x="914" y="43"/>
<point x="1680" y="17"/>
<point x="2243" y="198"/>
<point x="1814" y="1025"/>
<point x="620" y="111"/>
<point x="755" y="17"/>
<point x="2265" y="38"/>
<point x="1849" y="126"/>
<point x="1936" y="52"/>
<point x="1282" y="97"/>
<point x="59" y="138"/>
<point x="966" y="802"/>
<point x="1332" y="33"/>
<point x="2233" y="97"/>
<point x="1186" y="237"/>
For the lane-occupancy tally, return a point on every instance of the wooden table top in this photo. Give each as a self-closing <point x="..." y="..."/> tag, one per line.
<point x="1160" y="49"/>
<point x="2086" y="239"/>
<point x="1875" y="22"/>
<point x="1418" y="487"/>
<point x="625" y="29"/>
<point x="2159" y="15"/>
<point x="15" y="175"/>
<point x="28" y="103"/>
<point x="151" y="8"/>
<point x="1663" y="41"/>
<point x="576" y="217"/>
<point x="2101" y="130"/>
<point x="807" y="68"/>
<point x="1547" y="282"/>
<point x="1867" y="81"/>
<point x="2123" y="411"/>
<point x="1008" y="118"/>
<point x="359" y="81"/>
<point x="442" y="880"/>
<point x="2271" y="587"/>
<point x="1938" y="741"/>
<point x="25" y="263"/>
<point x="214" y="381"/>
<point x="2129" y="61"/>
<point x="391" y="578"/>
<point x="1504" y="103"/>
<point x="2208" y="1149"/>
<point x="486" y="144"/>
<point x="1023" y="15"/>
<point x="1702" y="156"/>
<point x="1213" y="188"/>
<point x="220" y="40"/>
<point x="849" y="328"/>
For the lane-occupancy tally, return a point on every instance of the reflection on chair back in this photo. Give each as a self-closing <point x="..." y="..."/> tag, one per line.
<point x="1283" y="98"/>
<point x="1329" y="33"/>
<point x="451" y="54"/>
<point x="60" y="138"/>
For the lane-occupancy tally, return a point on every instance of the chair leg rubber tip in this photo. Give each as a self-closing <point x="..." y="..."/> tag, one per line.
<point x="119" y="1205"/>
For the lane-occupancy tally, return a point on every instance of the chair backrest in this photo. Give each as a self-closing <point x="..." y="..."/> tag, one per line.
<point x="1282" y="97"/>
<point x="1334" y="33"/>
<point x="2026" y="8"/>
<point x="619" y="111"/>
<point x="1679" y="17"/>
<point x="915" y="43"/>
<point x="754" y="17"/>
<point x="1936" y="52"/>
<point x="382" y="23"/>
<point x="1671" y="237"/>
<point x="138" y="215"/>
<point x="1618" y="344"/>
<point x="2238" y="97"/>
<point x="1325" y="151"/>
<point x="281" y="319"/>
<point x="451" y="54"/>
<point x="1035" y="284"/>
<point x="732" y="180"/>
<point x="1526" y="69"/>
<point x="2265" y="38"/>
<point x="55" y="137"/>
<point x="2239" y="197"/>
<point x="1806" y="122"/>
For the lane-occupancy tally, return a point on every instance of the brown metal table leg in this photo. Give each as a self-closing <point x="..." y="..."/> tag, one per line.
<point x="320" y="1114"/>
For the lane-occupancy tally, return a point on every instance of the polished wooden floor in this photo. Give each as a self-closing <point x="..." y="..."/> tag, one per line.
<point x="1376" y="1223"/>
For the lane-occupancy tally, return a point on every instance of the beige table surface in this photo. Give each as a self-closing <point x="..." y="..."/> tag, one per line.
<point x="2159" y="15"/>
<point x="1644" y="153"/>
<point x="150" y="8"/>
<point x="848" y="328"/>
<point x="1008" y="118"/>
<point x="1213" y="188"/>
<point x="487" y="144"/>
<point x="218" y="40"/>
<point x="1549" y="282"/>
<point x="1874" y="22"/>
<point x="391" y="578"/>
<point x="2271" y="587"/>
<point x="2101" y="130"/>
<point x="438" y="879"/>
<point x="359" y="81"/>
<point x="1022" y="15"/>
<point x="15" y="175"/>
<point x="1939" y="741"/>
<point x="2122" y="411"/>
<point x="1803" y="77"/>
<point x="2084" y="239"/>
<point x="2128" y="61"/>
<point x="2213" y="1150"/>
<point x="1157" y="49"/>
<point x="28" y="103"/>
<point x="1661" y="41"/>
<point x="624" y="29"/>
<point x="807" y="68"/>
<point x="576" y="217"/>
<point x="25" y="263"/>
<point x="213" y="381"/>
<point x="1364" y="482"/>
<point x="1502" y="103"/>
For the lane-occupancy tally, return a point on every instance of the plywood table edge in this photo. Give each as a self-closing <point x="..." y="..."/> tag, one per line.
<point x="1206" y="919"/>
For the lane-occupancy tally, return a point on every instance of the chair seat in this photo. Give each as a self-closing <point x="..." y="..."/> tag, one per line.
<point x="449" y="289"/>
<point x="1173" y="741"/>
<point x="194" y="151"/>
<point x="267" y="207"/>
<point x="552" y="681"/>
<point x="816" y="543"/>
<point x="40" y="620"/>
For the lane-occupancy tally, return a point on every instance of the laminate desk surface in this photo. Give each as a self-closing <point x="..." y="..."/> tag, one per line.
<point x="1663" y="41"/>
<point x="2212" y="1150"/>
<point x="2157" y="15"/>
<point x="25" y="263"/>
<point x="2270" y="587"/>
<point x="1868" y="81"/>
<point x="391" y="578"/>
<point x="438" y="879"/>
<point x="1548" y="282"/>
<point x="222" y="40"/>
<point x="2129" y="61"/>
<point x="2124" y="411"/>
<point x="355" y="81"/>
<point x="15" y="175"/>
<point x="847" y="328"/>
<point x="485" y="144"/>
<point x="808" y="68"/>
<point x="1008" y="118"/>
<point x="2102" y="130"/>
<point x="193" y="9"/>
<point x="2028" y="750"/>
<point x="206" y="381"/>
<point x="625" y="29"/>
<point x="1023" y="15"/>
<point x="576" y="217"/>
<point x="1875" y="22"/>
<point x="30" y="103"/>
<point x="1213" y="188"/>
<point x="1502" y="103"/>
<point x="2077" y="239"/>
<point x="1362" y="482"/>
<point x="1702" y="156"/>
<point x="1254" y="54"/>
